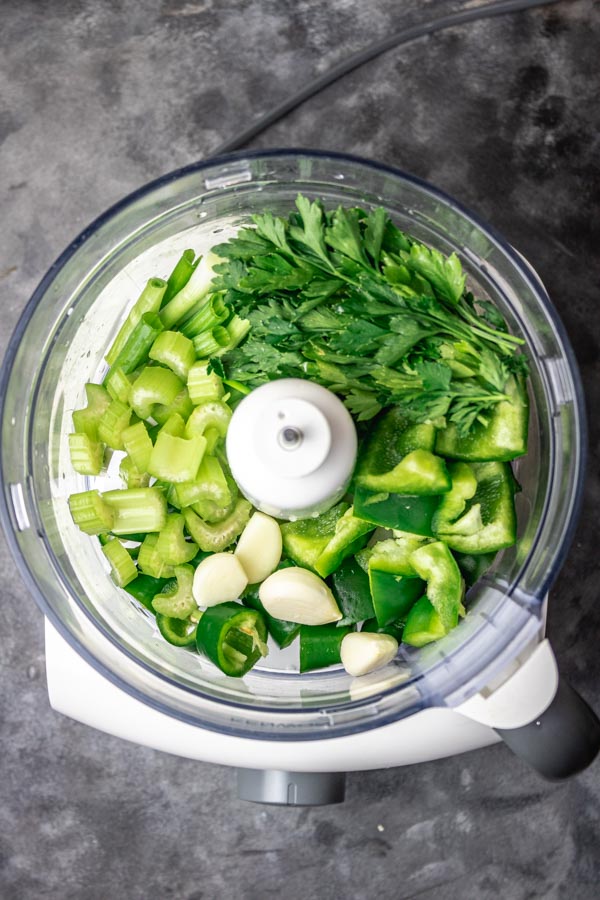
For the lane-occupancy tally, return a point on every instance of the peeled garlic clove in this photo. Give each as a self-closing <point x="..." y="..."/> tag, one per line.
<point x="259" y="547"/>
<point x="217" y="579"/>
<point x="363" y="652"/>
<point x="298" y="595"/>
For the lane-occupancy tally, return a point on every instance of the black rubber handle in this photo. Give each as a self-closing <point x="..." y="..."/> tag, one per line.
<point x="562" y="741"/>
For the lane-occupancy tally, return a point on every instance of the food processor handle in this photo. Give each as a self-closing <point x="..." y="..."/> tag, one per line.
<point x="562" y="741"/>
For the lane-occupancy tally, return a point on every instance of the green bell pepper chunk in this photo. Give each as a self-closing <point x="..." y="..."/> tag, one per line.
<point x="350" y="587"/>
<point x="320" y="645"/>
<point x="419" y="472"/>
<point x="306" y="539"/>
<point x="391" y="555"/>
<point x="503" y="438"/>
<point x="394" y="629"/>
<point x="179" y="632"/>
<point x="473" y="567"/>
<point x="393" y="595"/>
<point x="423" y="624"/>
<point x="406" y="512"/>
<point x="232" y="637"/>
<point x="397" y="458"/>
<point x="489" y="523"/>
<point x="453" y="504"/>
<point x="350" y="535"/>
<point x="282" y="632"/>
<point x="435" y="564"/>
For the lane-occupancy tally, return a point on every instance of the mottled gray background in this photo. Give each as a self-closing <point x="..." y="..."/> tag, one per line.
<point x="97" y="98"/>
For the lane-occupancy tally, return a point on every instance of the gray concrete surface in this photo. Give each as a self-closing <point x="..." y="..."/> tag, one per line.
<point x="97" y="98"/>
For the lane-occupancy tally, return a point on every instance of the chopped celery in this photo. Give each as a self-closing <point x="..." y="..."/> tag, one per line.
<point x="86" y="455"/>
<point x="176" y="459"/>
<point x="131" y="475"/>
<point x="153" y="385"/>
<point x="137" y="509"/>
<point x="172" y="545"/>
<point x="86" y="420"/>
<point x="180" y="275"/>
<point x="150" y="562"/>
<point x="219" y="536"/>
<point x="209" y="484"/>
<point x="137" y="346"/>
<point x="113" y="423"/>
<point x="182" y="405"/>
<point x="148" y="302"/>
<point x="177" y="602"/>
<point x="122" y="567"/>
<point x="211" y="312"/>
<point x="202" y="385"/>
<point x="138" y="445"/>
<point x="214" y="414"/>
<point x="90" y="512"/>
<point x="196" y="288"/>
<point x="237" y="329"/>
<point x="213" y="342"/>
<point x="175" y="351"/>
<point x="118" y="384"/>
<point x="174" y="426"/>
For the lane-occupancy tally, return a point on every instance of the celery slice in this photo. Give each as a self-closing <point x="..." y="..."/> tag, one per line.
<point x="202" y="385"/>
<point x="211" y="312"/>
<point x="122" y="567"/>
<point x="214" y="414"/>
<point x="176" y="459"/>
<point x="172" y="545"/>
<point x="180" y="275"/>
<point x="153" y="385"/>
<point x="175" y="351"/>
<point x="182" y="405"/>
<point x="86" y="420"/>
<point x="177" y="602"/>
<point x="150" y="562"/>
<point x="174" y="426"/>
<point x="148" y="302"/>
<point x="90" y="512"/>
<point x="209" y="484"/>
<point x="131" y="475"/>
<point x="219" y="536"/>
<point x="196" y="289"/>
<point x="118" y="384"/>
<point x="113" y="423"/>
<point x="213" y="342"/>
<point x="137" y="509"/>
<point x="138" y="445"/>
<point x="86" y="455"/>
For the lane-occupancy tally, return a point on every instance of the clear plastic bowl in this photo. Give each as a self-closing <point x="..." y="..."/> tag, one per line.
<point x="59" y="345"/>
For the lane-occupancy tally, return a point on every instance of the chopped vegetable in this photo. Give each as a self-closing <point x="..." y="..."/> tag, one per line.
<point x="176" y="600"/>
<point x="363" y="652"/>
<point x="320" y="645"/>
<point x="232" y="637"/>
<point x="218" y="579"/>
<point x="298" y="595"/>
<point x="259" y="547"/>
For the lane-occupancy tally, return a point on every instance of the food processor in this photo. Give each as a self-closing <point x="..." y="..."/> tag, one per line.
<point x="290" y="736"/>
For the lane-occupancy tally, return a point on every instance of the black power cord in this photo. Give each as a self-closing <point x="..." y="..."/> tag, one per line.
<point x="462" y="17"/>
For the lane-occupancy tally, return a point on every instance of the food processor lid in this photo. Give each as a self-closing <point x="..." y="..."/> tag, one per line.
<point x="291" y="447"/>
<point x="31" y="432"/>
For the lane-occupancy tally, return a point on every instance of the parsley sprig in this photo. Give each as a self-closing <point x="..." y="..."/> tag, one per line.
<point x="347" y="299"/>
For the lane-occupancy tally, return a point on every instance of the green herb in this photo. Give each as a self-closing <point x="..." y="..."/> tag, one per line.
<point x="347" y="299"/>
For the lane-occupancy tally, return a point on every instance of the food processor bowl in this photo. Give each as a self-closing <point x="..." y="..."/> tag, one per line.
<point x="59" y="345"/>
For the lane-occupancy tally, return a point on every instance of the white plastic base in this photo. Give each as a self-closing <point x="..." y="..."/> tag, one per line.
<point x="78" y="691"/>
